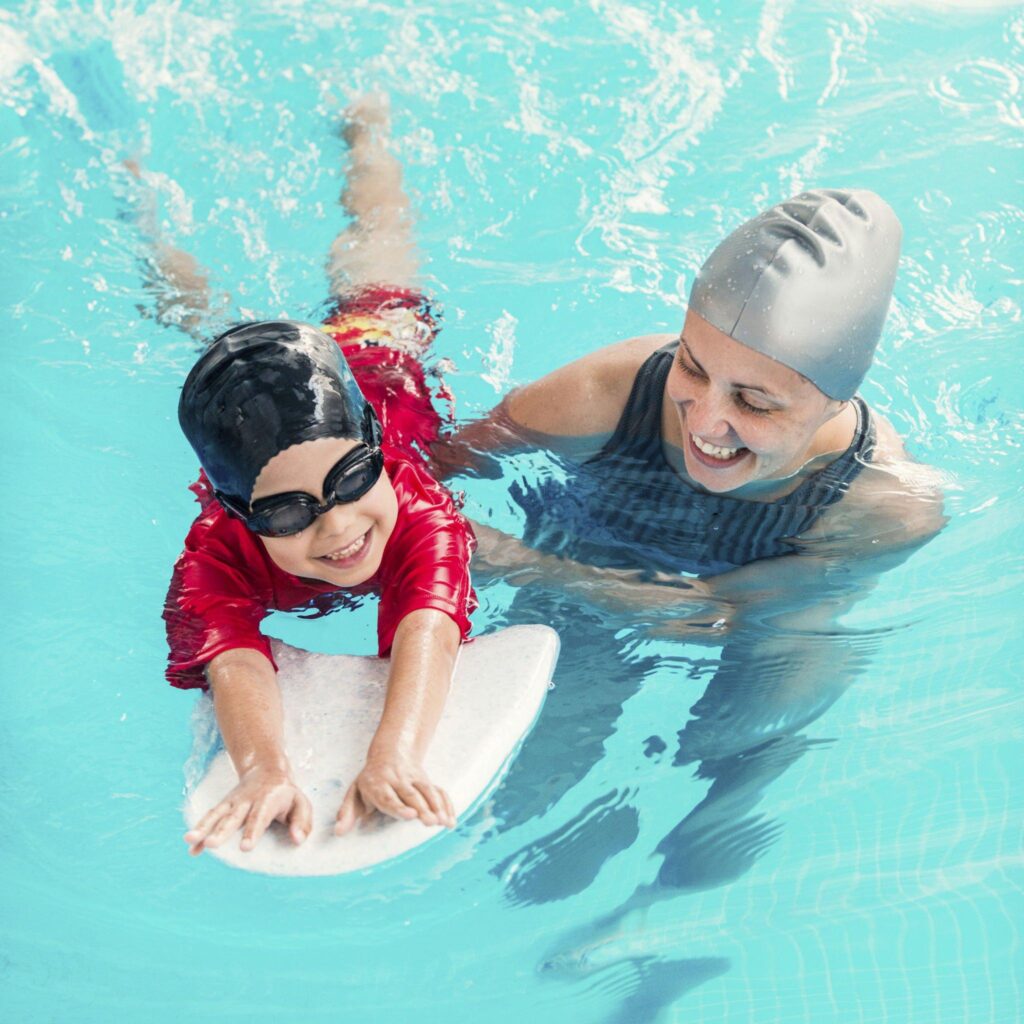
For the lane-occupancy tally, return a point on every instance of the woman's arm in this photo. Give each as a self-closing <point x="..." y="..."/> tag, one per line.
<point x="247" y="702"/>
<point x="571" y="411"/>
<point x="393" y="781"/>
<point x="684" y="601"/>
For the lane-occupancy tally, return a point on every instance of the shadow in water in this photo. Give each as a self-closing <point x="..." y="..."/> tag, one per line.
<point x="638" y="988"/>
<point x="598" y="670"/>
<point x="659" y="983"/>
<point x="767" y="685"/>
<point x="567" y="860"/>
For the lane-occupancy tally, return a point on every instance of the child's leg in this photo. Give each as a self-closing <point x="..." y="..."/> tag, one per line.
<point x="178" y="284"/>
<point x="382" y="322"/>
<point x="377" y="247"/>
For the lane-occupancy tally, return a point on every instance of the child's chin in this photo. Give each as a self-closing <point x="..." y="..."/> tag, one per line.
<point x="348" y="576"/>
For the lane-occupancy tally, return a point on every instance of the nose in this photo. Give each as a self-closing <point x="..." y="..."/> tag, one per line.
<point x="335" y="521"/>
<point x="706" y="416"/>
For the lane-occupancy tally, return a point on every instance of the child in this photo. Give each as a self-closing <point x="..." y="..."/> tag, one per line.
<point x="311" y="492"/>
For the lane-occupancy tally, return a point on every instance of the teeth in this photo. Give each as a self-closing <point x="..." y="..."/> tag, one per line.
<point x="337" y="556"/>
<point x="713" y="449"/>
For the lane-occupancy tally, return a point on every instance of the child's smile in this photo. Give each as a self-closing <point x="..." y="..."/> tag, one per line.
<point x="349" y="555"/>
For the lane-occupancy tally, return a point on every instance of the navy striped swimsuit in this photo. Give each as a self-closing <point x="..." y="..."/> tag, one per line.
<point x="627" y="508"/>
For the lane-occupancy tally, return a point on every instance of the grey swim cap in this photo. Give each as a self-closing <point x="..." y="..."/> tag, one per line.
<point x="808" y="282"/>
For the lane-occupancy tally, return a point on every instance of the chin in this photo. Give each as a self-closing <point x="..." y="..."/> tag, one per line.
<point x="718" y="481"/>
<point x="349" y="577"/>
<point x="721" y="486"/>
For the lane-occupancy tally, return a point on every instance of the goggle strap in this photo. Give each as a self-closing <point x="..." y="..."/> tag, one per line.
<point x="232" y="505"/>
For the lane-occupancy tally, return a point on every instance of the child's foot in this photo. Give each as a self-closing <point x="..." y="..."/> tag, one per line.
<point x="367" y="116"/>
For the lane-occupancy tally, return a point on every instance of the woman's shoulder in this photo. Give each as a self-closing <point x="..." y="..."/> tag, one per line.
<point x="585" y="397"/>
<point x="894" y="500"/>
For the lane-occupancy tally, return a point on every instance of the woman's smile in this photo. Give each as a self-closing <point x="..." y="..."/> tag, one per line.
<point x="713" y="455"/>
<point x="741" y="417"/>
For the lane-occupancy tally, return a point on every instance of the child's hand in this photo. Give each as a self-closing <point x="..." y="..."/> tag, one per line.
<point x="259" y="798"/>
<point x="398" y="787"/>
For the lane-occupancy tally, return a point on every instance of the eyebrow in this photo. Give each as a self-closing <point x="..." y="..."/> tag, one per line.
<point x="739" y="387"/>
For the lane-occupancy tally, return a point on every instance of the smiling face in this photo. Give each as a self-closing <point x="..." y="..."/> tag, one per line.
<point x="739" y="416"/>
<point x="345" y="545"/>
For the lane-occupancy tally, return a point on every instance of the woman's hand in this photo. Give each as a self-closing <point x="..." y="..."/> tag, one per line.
<point x="664" y="597"/>
<point x="395" y="785"/>
<point x="631" y="590"/>
<point x="260" y="797"/>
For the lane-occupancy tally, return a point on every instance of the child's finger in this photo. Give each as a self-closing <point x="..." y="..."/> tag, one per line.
<point x="366" y="809"/>
<point x="450" y="808"/>
<point x="349" y="811"/>
<point x="434" y="800"/>
<point x="203" y="826"/>
<point x="412" y="797"/>
<point x="300" y="818"/>
<point x="256" y="823"/>
<point x="196" y="837"/>
<point x="387" y="800"/>
<point x="447" y="809"/>
<point x="228" y="824"/>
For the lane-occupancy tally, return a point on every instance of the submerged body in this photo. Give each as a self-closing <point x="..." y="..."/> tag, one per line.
<point x="729" y="488"/>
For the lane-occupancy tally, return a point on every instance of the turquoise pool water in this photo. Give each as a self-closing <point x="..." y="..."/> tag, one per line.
<point x="847" y="854"/>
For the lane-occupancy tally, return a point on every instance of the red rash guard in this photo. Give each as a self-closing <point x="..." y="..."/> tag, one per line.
<point x="224" y="582"/>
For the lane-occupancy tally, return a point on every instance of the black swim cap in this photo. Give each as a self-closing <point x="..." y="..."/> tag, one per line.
<point x="261" y="388"/>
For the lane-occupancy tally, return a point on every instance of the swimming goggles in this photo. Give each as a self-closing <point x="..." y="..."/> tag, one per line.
<point x="283" y="515"/>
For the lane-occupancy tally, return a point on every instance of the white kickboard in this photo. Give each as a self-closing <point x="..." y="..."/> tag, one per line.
<point x="332" y="704"/>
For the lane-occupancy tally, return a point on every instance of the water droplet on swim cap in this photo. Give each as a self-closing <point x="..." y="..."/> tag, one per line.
<point x="262" y="387"/>
<point x="816" y="275"/>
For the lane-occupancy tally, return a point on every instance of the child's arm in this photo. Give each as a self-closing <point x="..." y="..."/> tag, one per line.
<point x="393" y="780"/>
<point x="248" y="706"/>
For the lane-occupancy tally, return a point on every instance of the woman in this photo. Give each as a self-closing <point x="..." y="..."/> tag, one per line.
<point x="733" y="467"/>
<point x="741" y="440"/>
